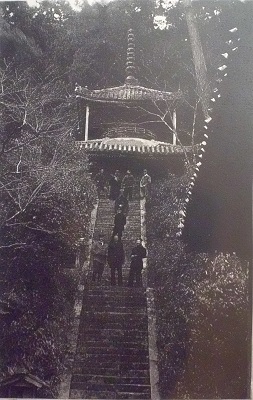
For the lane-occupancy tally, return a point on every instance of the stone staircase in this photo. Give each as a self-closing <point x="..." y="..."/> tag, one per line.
<point x="112" y="356"/>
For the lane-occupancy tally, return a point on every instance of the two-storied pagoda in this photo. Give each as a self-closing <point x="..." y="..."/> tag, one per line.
<point x="122" y="127"/>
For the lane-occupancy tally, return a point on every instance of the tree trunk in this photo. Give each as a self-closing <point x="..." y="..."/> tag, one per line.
<point x="198" y="57"/>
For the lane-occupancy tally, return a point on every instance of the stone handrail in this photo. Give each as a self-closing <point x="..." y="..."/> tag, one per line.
<point x="152" y="336"/>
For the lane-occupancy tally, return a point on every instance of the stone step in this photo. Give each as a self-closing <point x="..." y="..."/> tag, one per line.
<point x="106" y="219"/>
<point x="112" y="326"/>
<point x="114" y="316"/>
<point x="131" y="305"/>
<point x="134" y="204"/>
<point x="133" y="222"/>
<point x="105" y="224"/>
<point x="128" y="335"/>
<point x="109" y="317"/>
<point x="113" y="355"/>
<point x="114" y="298"/>
<point x="134" y="212"/>
<point x="122" y="301"/>
<point x="84" y="394"/>
<point x="115" y="293"/>
<point x="106" y="279"/>
<point x="140" y="343"/>
<point x="113" y="307"/>
<point x="125" y="273"/>
<point x="112" y="351"/>
<point x="81" y="369"/>
<point x="105" y="325"/>
<point x="114" y="337"/>
<point x="113" y="364"/>
<point x="130" y="234"/>
<point x="120" y="291"/>
<point x="132" y="226"/>
<point x="129" y="239"/>
<point x="128" y="395"/>
<point x="112" y="380"/>
<point x="102" y="325"/>
<point x="107" y="272"/>
<point x="117" y="343"/>
<point x="130" y="388"/>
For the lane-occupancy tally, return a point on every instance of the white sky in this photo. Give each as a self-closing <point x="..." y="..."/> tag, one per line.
<point x="76" y="3"/>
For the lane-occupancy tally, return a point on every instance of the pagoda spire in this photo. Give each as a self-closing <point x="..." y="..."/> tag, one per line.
<point x="130" y="62"/>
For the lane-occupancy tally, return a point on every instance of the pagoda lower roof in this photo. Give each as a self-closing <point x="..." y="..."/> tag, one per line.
<point x="132" y="145"/>
<point x="126" y="93"/>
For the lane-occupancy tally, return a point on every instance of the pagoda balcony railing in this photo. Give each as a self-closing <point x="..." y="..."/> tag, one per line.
<point x="129" y="130"/>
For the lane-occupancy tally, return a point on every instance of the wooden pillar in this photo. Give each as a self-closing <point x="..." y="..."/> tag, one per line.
<point x="86" y="133"/>
<point x="174" y="122"/>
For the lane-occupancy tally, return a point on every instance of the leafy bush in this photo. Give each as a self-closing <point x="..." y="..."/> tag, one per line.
<point x="202" y="307"/>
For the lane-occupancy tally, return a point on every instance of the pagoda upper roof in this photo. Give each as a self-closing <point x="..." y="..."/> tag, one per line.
<point x="126" y="93"/>
<point x="131" y="91"/>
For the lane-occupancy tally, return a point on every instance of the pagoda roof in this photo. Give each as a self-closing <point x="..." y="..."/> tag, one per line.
<point x="131" y="91"/>
<point x="126" y="93"/>
<point x="132" y="145"/>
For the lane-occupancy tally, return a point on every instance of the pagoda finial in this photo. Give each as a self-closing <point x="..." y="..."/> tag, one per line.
<point x="130" y="62"/>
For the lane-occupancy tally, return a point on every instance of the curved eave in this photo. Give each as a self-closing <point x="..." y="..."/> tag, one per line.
<point x="97" y="146"/>
<point x="126" y="94"/>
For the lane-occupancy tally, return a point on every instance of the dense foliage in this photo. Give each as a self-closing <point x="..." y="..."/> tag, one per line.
<point x="46" y="199"/>
<point x="202" y="307"/>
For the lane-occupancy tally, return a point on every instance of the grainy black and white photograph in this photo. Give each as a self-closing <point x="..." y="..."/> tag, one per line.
<point x="126" y="199"/>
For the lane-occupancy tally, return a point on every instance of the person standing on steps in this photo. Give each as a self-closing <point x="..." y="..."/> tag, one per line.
<point x="128" y="185"/>
<point x="145" y="184"/>
<point x="115" y="185"/>
<point x="116" y="258"/>
<point x="99" y="257"/>
<point x="100" y="180"/>
<point x="122" y="202"/>
<point x="119" y="223"/>
<point x="138" y="254"/>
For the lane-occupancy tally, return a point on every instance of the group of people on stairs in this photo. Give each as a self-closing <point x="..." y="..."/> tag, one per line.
<point x="116" y="185"/>
<point x="113" y="255"/>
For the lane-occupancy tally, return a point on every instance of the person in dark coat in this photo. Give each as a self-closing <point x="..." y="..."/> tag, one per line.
<point x="122" y="202"/>
<point x="100" y="180"/>
<point x="145" y="184"/>
<point x="119" y="223"/>
<point x="115" y="185"/>
<point x="138" y="254"/>
<point x="128" y="185"/>
<point x="99" y="254"/>
<point x="116" y="258"/>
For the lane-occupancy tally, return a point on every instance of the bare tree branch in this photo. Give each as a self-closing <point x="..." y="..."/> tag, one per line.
<point x="13" y="245"/>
